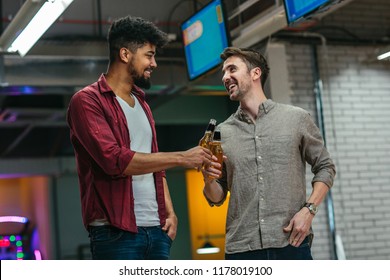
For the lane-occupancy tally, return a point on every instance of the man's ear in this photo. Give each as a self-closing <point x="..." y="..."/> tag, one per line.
<point x="256" y="73"/>
<point x="124" y="55"/>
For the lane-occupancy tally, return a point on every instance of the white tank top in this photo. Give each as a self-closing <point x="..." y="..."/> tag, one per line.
<point x="144" y="191"/>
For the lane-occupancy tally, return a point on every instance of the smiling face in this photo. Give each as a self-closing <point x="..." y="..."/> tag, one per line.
<point x="142" y="64"/>
<point x="236" y="77"/>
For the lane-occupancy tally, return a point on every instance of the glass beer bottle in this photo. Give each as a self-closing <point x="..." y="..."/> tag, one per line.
<point x="208" y="135"/>
<point x="216" y="148"/>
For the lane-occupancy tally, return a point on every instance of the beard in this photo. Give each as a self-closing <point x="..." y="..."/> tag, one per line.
<point x="139" y="79"/>
<point x="241" y="90"/>
<point x="235" y="95"/>
<point x="142" y="82"/>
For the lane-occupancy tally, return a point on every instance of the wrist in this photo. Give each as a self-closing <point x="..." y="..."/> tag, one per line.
<point x="208" y="180"/>
<point x="313" y="208"/>
<point x="171" y="215"/>
<point x="180" y="158"/>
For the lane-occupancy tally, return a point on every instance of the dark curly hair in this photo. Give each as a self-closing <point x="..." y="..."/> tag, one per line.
<point x="252" y="59"/>
<point x="132" y="33"/>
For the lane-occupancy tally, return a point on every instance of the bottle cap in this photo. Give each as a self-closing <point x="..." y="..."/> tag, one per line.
<point x="211" y="125"/>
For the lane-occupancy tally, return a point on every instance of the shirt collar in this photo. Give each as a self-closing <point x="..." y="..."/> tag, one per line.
<point x="105" y="88"/>
<point x="264" y="109"/>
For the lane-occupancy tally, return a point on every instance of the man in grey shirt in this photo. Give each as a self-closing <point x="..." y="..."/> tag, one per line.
<point x="267" y="146"/>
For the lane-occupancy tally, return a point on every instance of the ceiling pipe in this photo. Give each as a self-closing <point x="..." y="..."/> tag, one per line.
<point x="99" y="15"/>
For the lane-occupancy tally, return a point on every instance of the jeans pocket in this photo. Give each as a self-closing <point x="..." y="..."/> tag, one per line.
<point x="104" y="233"/>
<point x="306" y="242"/>
<point x="167" y="236"/>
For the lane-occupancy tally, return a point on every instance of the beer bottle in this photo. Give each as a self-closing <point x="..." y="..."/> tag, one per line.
<point x="216" y="148"/>
<point x="208" y="135"/>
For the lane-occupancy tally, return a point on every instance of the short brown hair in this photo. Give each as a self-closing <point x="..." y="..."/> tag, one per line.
<point x="251" y="58"/>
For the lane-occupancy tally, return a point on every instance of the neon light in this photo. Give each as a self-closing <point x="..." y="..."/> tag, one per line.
<point x="27" y="90"/>
<point x="14" y="219"/>
<point x="12" y="238"/>
<point x="5" y="243"/>
<point x="38" y="255"/>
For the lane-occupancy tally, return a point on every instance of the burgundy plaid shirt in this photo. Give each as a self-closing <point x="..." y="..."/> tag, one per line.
<point x="100" y="137"/>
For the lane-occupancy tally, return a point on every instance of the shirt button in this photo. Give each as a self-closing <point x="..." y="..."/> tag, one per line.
<point x="259" y="157"/>
<point x="261" y="178"/>
<point x="262" y="220"/>
<point x="262" y="199"/>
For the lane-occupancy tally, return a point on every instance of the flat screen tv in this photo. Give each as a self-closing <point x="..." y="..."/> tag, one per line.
<point x="205" y="35"/>
<point x="299" y="10"/>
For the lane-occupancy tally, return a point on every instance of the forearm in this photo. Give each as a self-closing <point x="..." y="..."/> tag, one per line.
<point x="143" y="163"/>
<point x="319" y="192"/>
<point x="213" y="191"/>
<point x="168" y="201"/>
<point x="171" y="221"/>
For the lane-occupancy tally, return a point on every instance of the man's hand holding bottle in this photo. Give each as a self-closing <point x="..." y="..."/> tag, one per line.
<point x="212" y="141"/>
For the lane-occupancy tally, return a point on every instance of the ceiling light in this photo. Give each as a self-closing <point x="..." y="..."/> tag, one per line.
<point x="208" y="248"/>
<point x="384" y="55"/>
<point x="29" y="24"/>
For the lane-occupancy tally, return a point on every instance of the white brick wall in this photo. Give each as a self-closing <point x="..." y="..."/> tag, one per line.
<point x="365" y="19"/>
<point x="356" y="101"/>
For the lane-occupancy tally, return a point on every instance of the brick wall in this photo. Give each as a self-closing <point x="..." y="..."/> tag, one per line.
<point x="356" y="102"/>
<point x="363" y="19"/>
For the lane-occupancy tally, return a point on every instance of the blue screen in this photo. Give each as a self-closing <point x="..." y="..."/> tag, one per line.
<point x="296" y="9"/>
<point x="204" y="38"/>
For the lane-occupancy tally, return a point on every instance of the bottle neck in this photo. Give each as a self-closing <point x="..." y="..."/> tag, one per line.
<point x="210" y="128"/>
<point x="217" y="136"/>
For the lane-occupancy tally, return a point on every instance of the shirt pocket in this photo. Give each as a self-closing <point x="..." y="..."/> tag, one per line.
<point x="280" y="149"/>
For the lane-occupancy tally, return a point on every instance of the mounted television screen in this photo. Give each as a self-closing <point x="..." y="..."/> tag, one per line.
<point x="205" y="36"/>
<point x="297" y="10"/>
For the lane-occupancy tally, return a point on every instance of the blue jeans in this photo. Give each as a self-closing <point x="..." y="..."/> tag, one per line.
<point x="111" y="243"/>
<point x="289" y="252"/>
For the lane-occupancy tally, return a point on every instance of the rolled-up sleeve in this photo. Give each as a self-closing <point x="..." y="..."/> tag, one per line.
<point x="316" y="154"/>
<point x="91" y="129"/>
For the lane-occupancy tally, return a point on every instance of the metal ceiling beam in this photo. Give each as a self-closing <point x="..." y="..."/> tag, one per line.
<point x="14" y="168"/>
<point x="41" y="117"/>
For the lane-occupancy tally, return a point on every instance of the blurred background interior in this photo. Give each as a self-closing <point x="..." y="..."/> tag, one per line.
<point x="326" y="63"/>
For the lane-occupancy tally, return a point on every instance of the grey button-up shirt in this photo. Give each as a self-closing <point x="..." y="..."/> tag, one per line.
<point x="265" y="173"/>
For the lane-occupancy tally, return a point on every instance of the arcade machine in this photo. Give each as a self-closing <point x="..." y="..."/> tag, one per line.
<point x="17" y="239"/>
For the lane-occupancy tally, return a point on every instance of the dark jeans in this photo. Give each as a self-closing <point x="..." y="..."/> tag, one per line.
<point x="289" y="252"/>
<point x="111" y="243"/>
